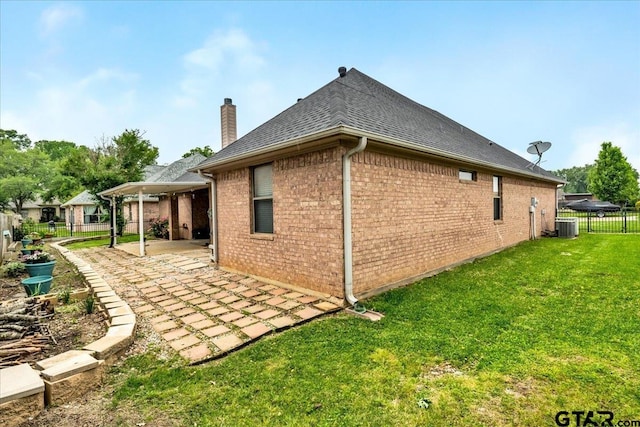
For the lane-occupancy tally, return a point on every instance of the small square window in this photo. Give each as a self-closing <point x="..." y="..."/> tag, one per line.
<point x="465" y="175"/>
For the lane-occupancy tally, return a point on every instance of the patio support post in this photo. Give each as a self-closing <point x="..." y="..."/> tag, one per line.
<point x="141" y="222"/>
<point x="113" y="222"/>
<point x="346" y="213"/>
<point x="213" y="218"/>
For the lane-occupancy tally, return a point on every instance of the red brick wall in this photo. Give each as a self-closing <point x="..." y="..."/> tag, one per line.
<point x="306" y="246"/>
<point x="411" y="216"/>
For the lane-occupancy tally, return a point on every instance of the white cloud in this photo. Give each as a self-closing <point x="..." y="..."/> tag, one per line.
<point x="106" y="74"/>
<point x="57" y="16"/>
<point x="587" y="141"/>
<point x="78" y="111"/>
<point x="225" y="53"/>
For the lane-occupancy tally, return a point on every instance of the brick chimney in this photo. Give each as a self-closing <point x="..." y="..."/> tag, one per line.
<point x="228" y="122"/>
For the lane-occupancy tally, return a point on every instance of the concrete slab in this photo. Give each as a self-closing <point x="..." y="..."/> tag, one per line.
<point x="19" y="381"/>
<point x="127" y="319"/>
<point x="59" y="358"/>
<point x="108" y="346"/>
<point x="69" y="367"/>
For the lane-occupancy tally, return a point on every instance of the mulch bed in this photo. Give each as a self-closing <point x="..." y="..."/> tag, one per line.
<point x="58" y="327"/>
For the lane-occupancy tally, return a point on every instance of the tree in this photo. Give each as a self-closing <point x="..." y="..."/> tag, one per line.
<point x="113" y="162"/>
<point x="205" y="151"/>
<point x="19" y="141"/>
<point x="56" y="150"/>
<point x="612" y="178"/>
<point x="23" y="170"/>
<point x="577" y="178"/>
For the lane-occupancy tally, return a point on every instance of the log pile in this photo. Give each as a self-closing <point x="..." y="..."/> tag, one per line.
<point x="23" y="331"/>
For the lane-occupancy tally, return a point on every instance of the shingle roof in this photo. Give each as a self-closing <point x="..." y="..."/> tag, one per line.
<point x="84" y="198"/>
<point x="177" y="171"/>
<point x="360" y="102"/>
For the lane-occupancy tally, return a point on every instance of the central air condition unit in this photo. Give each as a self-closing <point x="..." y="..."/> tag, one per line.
<point x="567" y="227"/>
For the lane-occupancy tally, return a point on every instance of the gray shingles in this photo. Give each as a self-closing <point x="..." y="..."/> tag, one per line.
<point x="358" y="101"/>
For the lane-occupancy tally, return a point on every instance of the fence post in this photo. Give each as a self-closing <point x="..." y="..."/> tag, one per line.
<point x="624" y="220"/>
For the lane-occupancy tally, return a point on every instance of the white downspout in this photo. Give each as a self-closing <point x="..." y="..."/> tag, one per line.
<point x="141" y="222"/>
<point x="213" y="219"/>
<point x="346" y="214"/>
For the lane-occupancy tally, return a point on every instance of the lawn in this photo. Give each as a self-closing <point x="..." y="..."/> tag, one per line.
<point x="547" y="326"/>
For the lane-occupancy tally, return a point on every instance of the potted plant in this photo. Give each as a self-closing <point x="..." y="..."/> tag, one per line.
<point x="39" y="263"/>
<point x="38" y="285"/>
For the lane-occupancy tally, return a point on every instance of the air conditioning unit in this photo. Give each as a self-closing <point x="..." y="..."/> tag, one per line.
<point x="567" y="227"/>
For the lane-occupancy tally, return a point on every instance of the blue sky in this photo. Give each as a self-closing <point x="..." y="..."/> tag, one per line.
<point x="515" y="72"/>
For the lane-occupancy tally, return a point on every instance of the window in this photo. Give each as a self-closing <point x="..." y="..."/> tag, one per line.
<point x="92" y="214"/>
<point x="465" y="175"/>
<point x="262" y="184"/>
<point x="497" y="198"/>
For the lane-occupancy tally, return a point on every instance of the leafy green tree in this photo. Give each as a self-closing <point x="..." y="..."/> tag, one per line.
<point x="23" y="170"/>
<point x="117" y="161"/>
<point x="577" y="178"/>
<point x="612" y="178"/>
<point x="56" y="150"/>
<point x="19" y="141"/>
<point x="205" y="151"/>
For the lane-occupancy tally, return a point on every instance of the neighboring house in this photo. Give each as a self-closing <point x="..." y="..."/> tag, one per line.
<point x="183" y="198"/>
<point x="41" y="211"/>
<point x="356" y="189"/>
<point x="86" y="213"/>
<point x="565" y="198"/>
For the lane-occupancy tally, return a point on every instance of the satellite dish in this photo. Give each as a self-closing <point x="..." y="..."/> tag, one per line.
<point x="538" y="148"/>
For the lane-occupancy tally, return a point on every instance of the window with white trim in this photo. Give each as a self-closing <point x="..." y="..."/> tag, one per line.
<point x="497" y="198"/>
<point x="467" y="175"/>
<point x="262" y="195"/>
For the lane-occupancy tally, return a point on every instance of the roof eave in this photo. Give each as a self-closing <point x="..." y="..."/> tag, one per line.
<point x="355" y="132"/>
<point x="337" y="130"/>
<point x="132" y="188"/>
<point x="446" y="155"/>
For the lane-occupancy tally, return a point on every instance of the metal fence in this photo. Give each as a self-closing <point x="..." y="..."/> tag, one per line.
<point x="60" y="229"/>
<point x="624" y="221"/>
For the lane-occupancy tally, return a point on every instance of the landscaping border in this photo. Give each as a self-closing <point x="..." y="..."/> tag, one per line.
<point x="24" y="392"/>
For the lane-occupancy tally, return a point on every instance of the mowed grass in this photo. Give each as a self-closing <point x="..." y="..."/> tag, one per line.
<point x="550" y="325"/>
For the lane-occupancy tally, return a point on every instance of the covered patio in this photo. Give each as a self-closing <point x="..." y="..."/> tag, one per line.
<point x="186" y="203"/>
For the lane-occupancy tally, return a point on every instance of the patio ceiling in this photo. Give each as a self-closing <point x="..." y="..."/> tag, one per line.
<point x="132" y="188"/>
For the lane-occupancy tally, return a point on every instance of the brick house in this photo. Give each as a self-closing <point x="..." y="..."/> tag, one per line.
<point x="356" y="189"/>
<point x="181" y="196"/>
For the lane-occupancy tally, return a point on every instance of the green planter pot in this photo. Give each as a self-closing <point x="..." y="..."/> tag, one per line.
<point x="38" y="285"/>
<point x="26" y="242"/>
<point x="41" y="269"/>
<point x="25" y="251"/>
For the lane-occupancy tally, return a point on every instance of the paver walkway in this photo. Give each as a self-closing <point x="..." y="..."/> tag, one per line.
<point x="201" y="311"/>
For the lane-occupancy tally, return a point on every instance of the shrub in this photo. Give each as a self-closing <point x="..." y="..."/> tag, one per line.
<point x="159" y="227"/>
<point x="89" y="304"/>
<point x="65" y="296"/>
<point x="14" y="269"/>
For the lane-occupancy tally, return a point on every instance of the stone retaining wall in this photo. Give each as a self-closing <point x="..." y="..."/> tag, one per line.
<point x="24" y="391"/>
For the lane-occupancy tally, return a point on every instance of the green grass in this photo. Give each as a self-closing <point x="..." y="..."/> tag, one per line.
<point x="93" y="243"/>
<point x="511" y="339"/>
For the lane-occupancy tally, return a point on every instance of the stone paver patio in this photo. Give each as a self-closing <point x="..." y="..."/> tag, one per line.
<point x="202" y="312"/>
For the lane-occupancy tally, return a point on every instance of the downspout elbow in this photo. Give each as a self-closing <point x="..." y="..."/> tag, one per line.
<point x="347" y="239"/>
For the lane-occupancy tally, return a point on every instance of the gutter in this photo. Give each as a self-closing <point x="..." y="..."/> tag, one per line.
<point x="213" y="217"/>
<point x="346" y="214"/>
<point x="351" y="131"/>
